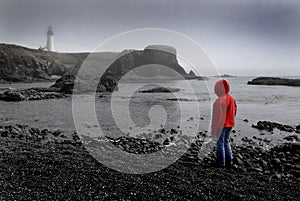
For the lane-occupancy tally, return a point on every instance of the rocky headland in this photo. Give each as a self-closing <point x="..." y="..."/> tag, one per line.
<point x="274" y="81"/>
<point x="21" y="64"/>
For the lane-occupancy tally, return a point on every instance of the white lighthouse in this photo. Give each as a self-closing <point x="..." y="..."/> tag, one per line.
<point x="50" y="41"/>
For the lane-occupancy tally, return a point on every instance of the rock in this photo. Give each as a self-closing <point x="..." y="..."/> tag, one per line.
<point x="12" y="96"/>
<point x="267" y="140"/>
<point x="257" y="169"/>
<point x="274" y="81"/>
<point x="15" y="130"/>
<point x="246" y="120"/>
<point x="4" y="133"/>
<point x="31" y="94"/>
<point x="246" y="139"/>
<point x="34" y="131"/>
<point x="292" y="138"/>
<point x="237" y="161"/>
<point x="263" y="163"/>
<point x="269" y="126"/>
<point x="173" y="131"/>
<point x="166" y="142"/>
<point x="160" y="90"/>
<point x="275" y="162"/>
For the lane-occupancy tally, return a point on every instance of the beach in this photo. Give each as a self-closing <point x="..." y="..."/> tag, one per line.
<point x="52" y="162"/>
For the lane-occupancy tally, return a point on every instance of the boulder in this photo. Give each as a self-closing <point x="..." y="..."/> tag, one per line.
<point x="12" y="96"/>
<point x="269" y="126"/>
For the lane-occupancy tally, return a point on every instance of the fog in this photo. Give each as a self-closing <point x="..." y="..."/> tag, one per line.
<point x="242" y="37"/>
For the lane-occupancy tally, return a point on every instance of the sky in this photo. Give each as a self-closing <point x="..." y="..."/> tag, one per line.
<point x="242" y="37"/>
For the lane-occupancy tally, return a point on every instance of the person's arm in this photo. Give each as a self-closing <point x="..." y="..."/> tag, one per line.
<point x="235" y="107"/>
<point x="218" y="118"/>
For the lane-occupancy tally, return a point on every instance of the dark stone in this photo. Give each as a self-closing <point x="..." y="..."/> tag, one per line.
<point x="267" y="140"/>
<point x="34" y="131"/>
<point x="276" y="161"/>
<point x="246" y="120"/>
<point x="12" y="96"/>
<point x="269" y="126"/>
<point x="173" y="131"/>
<point x="4" y="133"/>
<point x="246" y="139"/>
<point x="31" y="94"/>
<point x="160" y="90"/>
<point x="166" y="142"/>
<point x="292" y="138"/>
<point x="237" y="161"/>
<point x="56" y="133"/>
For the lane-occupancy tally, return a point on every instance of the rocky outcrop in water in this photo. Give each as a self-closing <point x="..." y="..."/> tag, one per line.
<point x="274" y="81"/>
<point x="153" y="57"/>
<point x="31" y="94"/>
<point x="160" y="90"/>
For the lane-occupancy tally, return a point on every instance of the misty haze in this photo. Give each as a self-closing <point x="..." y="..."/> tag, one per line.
<point x="149" y="100"/>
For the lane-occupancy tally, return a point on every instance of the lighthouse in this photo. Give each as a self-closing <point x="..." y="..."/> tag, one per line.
<point x="50" y="41"/>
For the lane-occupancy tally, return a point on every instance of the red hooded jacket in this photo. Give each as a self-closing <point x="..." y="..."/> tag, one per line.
<point x="224" y="108"/>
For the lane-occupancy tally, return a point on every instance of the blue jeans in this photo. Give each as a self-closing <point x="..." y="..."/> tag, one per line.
<point x="224" y="153"/>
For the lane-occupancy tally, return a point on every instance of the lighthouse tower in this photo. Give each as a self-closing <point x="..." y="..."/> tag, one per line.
<point x="50" y="42"/>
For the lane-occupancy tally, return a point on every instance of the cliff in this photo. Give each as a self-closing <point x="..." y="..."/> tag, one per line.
<point x="152" y="58"/>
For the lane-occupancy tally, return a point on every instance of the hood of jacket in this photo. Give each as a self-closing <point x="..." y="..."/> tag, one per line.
<point x="222" y="87"/>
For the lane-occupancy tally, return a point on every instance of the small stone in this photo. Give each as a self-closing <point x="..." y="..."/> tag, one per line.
<point x="56" y="133"/>
<point x="246" y="120"/>
<point x="166" y="142"/>
<point x="237" y="161"/>
<point x="292" y="138"/>
<point x="275" y="161"/>
<point x="4" y="134"/>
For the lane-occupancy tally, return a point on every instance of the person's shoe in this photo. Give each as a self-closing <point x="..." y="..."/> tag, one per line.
<point x="219" y="166"/>
<point x="228" y="165"/>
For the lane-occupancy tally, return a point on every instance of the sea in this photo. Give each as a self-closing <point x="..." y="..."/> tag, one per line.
<point x="132" y="113"/>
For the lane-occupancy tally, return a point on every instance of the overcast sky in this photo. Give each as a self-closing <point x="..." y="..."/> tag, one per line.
<point x="243" y="37"/>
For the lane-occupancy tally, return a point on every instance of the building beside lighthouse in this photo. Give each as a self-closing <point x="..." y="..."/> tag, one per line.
<point x="50" y="41"/>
